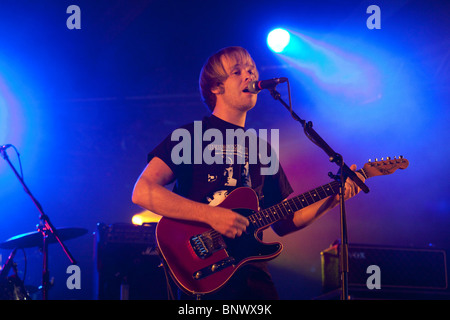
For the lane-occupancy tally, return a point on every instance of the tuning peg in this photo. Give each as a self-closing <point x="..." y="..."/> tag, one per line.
<point x="400" y="157"/>
<point x="388" y="158"/>
<point x="370" y="160"/>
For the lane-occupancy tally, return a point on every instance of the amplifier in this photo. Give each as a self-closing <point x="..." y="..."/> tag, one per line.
<point x="399" y="268"/>
<point x="126" y="233"/>
<point x="128" y="266"/>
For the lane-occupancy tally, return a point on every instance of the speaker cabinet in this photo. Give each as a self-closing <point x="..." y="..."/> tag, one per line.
<point x="403" y="270"/>
<point x="128" y="266"/>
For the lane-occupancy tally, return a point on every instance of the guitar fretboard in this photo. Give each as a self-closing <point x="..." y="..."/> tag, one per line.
<point x="286" y="208"/>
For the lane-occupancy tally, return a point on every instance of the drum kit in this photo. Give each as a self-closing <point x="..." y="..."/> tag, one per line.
<point x="12" y="287"/>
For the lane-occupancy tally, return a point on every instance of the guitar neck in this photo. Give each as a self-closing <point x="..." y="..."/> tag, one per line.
<point x="286" y="208"/>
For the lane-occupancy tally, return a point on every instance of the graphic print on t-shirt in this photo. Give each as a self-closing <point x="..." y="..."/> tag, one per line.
<point x="230" y="181"/>
<point x="236" y="171"/>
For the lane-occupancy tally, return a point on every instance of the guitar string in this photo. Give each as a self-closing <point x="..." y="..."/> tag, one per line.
<point x="265" y="217"/>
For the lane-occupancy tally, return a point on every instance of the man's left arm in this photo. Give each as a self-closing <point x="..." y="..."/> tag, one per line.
<point x="308" y="215"/>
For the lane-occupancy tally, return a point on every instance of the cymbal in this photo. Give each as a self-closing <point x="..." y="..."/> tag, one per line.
<point x="34" y="239"/>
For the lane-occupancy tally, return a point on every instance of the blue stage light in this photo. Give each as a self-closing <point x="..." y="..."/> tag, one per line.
<point x="278" y="39"/>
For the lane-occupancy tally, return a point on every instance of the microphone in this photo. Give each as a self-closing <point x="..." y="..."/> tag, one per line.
<point x="6" y="146"/>
<point x="257" y="86"/>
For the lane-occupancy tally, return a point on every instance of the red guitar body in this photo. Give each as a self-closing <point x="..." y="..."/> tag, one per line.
<point x="200" y="259"/>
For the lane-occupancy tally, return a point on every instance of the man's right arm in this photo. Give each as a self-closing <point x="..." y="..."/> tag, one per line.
<point x="149" y="192"/>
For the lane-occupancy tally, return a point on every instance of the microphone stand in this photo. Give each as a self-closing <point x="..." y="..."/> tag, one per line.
<point x="46" y="228"/>
<point x="344" y="172"/>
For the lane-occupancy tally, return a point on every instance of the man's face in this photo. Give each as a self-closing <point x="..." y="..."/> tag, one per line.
<point x="234" y="93"/>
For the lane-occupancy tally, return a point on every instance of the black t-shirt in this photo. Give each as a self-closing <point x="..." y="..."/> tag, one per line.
<point x="211" y="183"/>
<point x="186" y="152"/>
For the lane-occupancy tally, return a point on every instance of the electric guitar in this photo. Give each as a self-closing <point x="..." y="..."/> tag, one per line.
<point x="201" y="260"/>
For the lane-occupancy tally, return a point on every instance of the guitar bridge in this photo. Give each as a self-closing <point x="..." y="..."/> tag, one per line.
<point x="205" y="244"/>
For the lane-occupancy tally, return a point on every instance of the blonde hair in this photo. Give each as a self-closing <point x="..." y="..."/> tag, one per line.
<point x="213" y="73"/>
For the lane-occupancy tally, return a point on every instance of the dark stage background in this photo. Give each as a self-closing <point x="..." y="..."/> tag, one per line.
<point x="85" y="106"/>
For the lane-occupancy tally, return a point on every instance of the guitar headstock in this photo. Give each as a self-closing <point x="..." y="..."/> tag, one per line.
<point x="384" y="166"/>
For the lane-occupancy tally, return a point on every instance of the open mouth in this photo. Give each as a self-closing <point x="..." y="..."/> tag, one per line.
<point x="245" y="90"/>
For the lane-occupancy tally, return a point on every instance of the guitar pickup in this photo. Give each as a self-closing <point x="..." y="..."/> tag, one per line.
<point x="216" y="267"/>
<point x="205" y="244"/>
